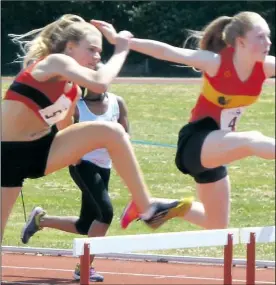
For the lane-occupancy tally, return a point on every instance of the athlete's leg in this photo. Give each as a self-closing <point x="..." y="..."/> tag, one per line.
<point x="73" y="142"/>
<point x="213" y="210"/>
<point x="62" y="223"/>
<point x="222" y="147"/>
<point x="8" y="199"/>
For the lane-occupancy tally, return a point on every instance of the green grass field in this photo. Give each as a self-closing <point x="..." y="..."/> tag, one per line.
<point x="156" y="114"/>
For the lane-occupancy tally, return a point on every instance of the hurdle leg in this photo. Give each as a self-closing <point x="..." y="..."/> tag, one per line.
<point x="228" y="260"/>
<point x="85" y="265"/>
<point x="251" y="260"/>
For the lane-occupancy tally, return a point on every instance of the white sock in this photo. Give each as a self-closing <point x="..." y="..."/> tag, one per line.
<point x="149" y="213"/>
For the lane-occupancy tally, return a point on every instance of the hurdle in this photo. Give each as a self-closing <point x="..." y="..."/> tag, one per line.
<point x="251" y="236"/>
<point x="83" y="247"/>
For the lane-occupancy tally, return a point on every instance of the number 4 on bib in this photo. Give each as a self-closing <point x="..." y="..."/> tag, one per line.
<point x="230" y="117"/>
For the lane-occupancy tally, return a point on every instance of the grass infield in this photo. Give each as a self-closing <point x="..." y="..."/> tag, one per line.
<point x="156" y="114"/>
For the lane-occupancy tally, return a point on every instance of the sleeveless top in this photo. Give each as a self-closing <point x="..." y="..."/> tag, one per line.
<point x="100" y="157"/>
<point x="224" y="97"/>
<point x="46" y="99"/>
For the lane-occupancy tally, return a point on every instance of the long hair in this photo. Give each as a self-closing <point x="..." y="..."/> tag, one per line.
<point x="223" y="31"/>
<point x="51" y="38"/>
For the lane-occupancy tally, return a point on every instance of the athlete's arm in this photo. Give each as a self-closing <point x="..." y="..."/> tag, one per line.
<point x="204" y="60"/>
<point x="269" y="66"/>
<point x="123" y="118"/>
<point x="61" y="65"/>
<point x="201" y="59"/>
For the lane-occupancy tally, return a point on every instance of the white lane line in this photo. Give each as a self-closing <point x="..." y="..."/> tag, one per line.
<point x="135" y="274"/>
<point x="23" y="283"/>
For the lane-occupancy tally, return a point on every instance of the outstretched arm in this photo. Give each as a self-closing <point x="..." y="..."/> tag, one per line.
<point x="200" y="59"/>
<point x="204" y="60"/>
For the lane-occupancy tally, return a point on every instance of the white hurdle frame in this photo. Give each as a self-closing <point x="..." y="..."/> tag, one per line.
<point x="83" y="247"/>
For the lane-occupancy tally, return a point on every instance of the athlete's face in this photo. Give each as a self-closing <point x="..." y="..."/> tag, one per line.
<point x="257" y="40"/>
<point x="87" y="52"/>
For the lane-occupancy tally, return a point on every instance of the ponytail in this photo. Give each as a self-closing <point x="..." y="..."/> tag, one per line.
<point x="43" y="40"/>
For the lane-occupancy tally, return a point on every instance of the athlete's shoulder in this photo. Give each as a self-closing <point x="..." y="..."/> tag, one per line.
<point x="120" y="100"/>
<point x="58" y="58"/>
<point x="223" y="61"/>
<point x="58" y="61"/>
<point x="115" y="97"/>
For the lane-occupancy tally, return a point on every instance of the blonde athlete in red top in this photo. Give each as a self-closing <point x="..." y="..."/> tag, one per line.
<point x="233" y="57"/>
<point x="43" y="96"/>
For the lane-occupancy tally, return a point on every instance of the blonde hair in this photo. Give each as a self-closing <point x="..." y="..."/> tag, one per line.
<point x="51" y="38"/>
<point x="224" y="31"/>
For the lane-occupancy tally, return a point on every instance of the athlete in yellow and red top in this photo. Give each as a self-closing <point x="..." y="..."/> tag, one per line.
<point x="224" y="96"/>
<point x="233" y="56"/>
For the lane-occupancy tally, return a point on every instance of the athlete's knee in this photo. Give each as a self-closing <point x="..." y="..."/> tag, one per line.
<point x="107" y="216"/>
<point x="114" y="131"/>
<point x="119" y="129"/>
<point x="82" y="226"/>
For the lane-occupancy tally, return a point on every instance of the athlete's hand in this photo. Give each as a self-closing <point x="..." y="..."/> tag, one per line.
<point x="122" y="40"/>
<point x="110" y="33"/>
<point x="106" y="29"/>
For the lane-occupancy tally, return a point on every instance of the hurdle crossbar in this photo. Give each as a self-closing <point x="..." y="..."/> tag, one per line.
<point x="84" y="247"/>
<point x="158" y="241"/>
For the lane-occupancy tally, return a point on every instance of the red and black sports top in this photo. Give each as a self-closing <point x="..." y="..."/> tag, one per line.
<point x="47" y="99"/>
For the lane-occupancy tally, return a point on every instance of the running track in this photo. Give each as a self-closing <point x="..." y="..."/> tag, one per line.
<point x="32" y="269"/>
<point x="18" y="269"/>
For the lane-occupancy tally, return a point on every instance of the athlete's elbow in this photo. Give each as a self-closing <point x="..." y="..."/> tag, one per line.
<point x="99" y="87"/>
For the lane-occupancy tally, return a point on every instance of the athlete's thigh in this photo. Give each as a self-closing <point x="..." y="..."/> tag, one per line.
<point x="9" y="196"/>
<point x="70" y="144"/>
<point x="223" y="147"/>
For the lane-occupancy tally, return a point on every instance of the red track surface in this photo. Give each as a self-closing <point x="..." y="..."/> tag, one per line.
<point x="26" y="269"/>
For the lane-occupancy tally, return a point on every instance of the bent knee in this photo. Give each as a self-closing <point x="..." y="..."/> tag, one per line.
<point x="107" y="217"/>
<point x="82" y="226"/>
<point x="119" y="129"/>
<point x="114" y="130"/>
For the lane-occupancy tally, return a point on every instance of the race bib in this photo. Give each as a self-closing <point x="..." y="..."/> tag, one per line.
<point x="57" y="111"/>
<point x="230" y="117"/>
